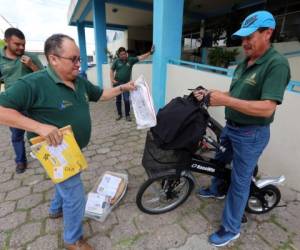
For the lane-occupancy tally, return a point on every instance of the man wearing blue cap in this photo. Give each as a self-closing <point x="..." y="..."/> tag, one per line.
<point x="257" y="87"/>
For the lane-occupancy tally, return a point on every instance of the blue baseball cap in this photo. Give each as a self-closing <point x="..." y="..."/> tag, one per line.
<point x="258" y="19"/>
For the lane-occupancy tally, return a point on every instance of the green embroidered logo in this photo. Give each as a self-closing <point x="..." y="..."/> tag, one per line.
<point x="86" y="97"/>
<point x="64" y="104"/>
<point x="251" y="80"/>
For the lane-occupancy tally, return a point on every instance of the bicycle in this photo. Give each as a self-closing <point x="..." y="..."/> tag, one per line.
<point x="170" y="179"/>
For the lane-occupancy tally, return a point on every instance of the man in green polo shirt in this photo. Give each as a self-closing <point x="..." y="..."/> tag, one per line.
<point x="257" y="87"/>
<point x="53" y="98"/>
<point x="15" y="62"/>
<point x="120" y="73"/>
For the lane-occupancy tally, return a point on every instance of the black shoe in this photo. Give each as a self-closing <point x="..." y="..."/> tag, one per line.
<point x="119" y="118"/>
<point x="21" y="167"/>
<point x="128" y="118"/>
<point x="244" y="218"/>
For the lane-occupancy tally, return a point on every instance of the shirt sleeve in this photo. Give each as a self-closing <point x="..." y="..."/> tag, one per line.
<point x="93" y="91"/>
<point x="134" y="60"/>
<point x="275" y="83"/>
<point x="19" y="96"/>
<point x="37" y="62"/>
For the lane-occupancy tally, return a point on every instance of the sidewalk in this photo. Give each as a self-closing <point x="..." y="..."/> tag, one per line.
<point x="118" y="146"/>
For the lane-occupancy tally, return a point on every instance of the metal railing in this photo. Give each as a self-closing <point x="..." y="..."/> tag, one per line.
<point x="204" y="67"/>
<point x="293" y="86"/>
<point x="292" y="53"/>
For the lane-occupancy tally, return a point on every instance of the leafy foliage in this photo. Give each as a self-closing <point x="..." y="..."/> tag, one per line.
<point x="2" y="43"/>
<point x="221" y="57"/>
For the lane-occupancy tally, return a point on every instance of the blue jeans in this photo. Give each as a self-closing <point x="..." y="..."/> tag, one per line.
<point x="126" y="102"/>
<point x="69" y="198"/>
<point x="244" y="146"/>
<point x="17" y="139"/>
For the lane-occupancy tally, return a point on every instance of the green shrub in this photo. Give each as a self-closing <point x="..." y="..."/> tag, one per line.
<point x="221" y="57"/>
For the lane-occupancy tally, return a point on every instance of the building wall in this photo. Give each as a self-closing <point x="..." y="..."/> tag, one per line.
<point x="284" y="47"/>
<point x="140" y="35"/>
<point x="113" y="46"/>
<point x="294" y="65"/>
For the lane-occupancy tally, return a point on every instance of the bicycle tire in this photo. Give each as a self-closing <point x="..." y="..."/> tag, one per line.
<point x="254" y="204"/>
<point x="167" y="198"/>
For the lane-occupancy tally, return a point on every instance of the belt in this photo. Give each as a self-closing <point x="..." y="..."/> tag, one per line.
<point x="236" y="124"/>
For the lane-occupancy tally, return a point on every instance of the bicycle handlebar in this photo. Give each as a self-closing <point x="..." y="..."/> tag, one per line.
<point x="206" y="96"/>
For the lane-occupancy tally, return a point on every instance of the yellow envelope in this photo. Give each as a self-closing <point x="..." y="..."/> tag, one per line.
<point x="63" y="161"/>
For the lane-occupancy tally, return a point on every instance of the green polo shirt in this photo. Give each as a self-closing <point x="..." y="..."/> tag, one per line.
<point x="13" y="69"/>
<point x="266" y="79"/>
<point x="48" y="100"/>
<point x="123" y="69"/>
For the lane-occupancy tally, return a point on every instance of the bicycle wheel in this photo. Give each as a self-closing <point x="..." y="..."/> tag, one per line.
<point x="164" y="193"/>
<point x="263" y="202"/>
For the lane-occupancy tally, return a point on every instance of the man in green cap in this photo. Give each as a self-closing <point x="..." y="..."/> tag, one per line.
<point x="53" y="98"/>
<point x="120" y="73"/>
<point x="15" y="62"/>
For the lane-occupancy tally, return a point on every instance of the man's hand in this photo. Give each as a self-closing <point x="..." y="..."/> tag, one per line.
<point x="113" y="81"/>
<point x="199" y="94"/>
<point x="152" y="49"/>
<point x="51" y="133"/>
<point x="128" y="86"/>
<point x="218" y="98"/>
<point x="26" y="60"/>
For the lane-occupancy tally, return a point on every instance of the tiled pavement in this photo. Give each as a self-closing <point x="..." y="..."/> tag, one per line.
<point x="118" y="146"/>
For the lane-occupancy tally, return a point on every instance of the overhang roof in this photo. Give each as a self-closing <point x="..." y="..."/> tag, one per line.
<point x="121" y="14"/>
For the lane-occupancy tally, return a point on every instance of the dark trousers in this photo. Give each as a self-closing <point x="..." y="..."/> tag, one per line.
<point x="126" y="103"/>
<point x="17" y="139"/>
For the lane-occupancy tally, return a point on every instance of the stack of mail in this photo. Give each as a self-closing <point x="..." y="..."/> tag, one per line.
<point x="107" y="192"/>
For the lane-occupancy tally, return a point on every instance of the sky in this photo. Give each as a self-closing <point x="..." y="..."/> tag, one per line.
<point x="39" y="19"/>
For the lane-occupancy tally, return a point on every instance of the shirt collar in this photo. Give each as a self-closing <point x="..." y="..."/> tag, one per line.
<point x="263" y="58"/>
<point x="53" y="75"/>
<point x="3" y="54"/>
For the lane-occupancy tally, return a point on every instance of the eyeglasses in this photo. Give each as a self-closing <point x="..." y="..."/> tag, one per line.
<point x="74" y="59"/>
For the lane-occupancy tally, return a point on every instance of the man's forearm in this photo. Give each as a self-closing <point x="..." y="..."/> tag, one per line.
<point x="110" y="93"/>
<point x="144" y="56"/>
<point x="263" y="108"/>
<point x="13" y="118"/>
<point x="34" y="67"/>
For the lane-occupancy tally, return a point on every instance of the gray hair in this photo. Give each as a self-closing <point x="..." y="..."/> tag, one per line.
<point x="53" y="44"/>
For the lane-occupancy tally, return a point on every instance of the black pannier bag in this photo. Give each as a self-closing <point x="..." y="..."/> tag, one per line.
<point x="157" y="160"/>
<point x="181" y="124"/>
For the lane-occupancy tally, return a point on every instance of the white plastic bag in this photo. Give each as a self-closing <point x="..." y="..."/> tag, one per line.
<point x="142" y="104"/>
